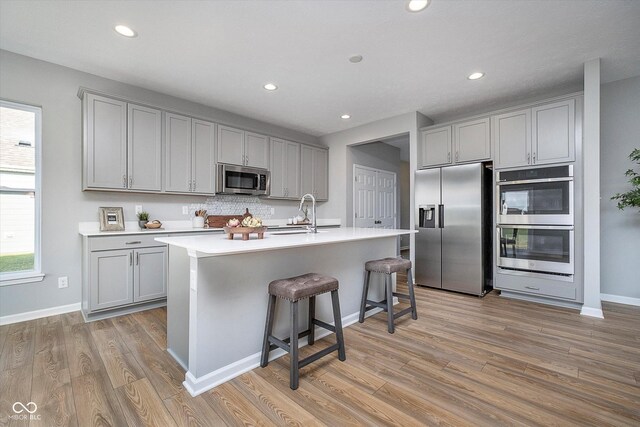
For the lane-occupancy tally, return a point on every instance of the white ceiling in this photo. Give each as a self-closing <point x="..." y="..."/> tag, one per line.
<point x="220" y="53"/>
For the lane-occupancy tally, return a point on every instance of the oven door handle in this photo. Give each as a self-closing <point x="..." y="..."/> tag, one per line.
<point x="535" y="181"/>
<point x="537" y="227"/>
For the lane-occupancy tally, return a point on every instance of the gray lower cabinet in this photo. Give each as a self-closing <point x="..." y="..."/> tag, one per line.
<point x="123" y="271"/>
<point x="314" y="164"/>
<point x="285" y="169"/>
<point x="189" y="155"/>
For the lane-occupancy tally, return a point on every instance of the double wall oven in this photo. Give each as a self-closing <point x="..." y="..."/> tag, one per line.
<point x="535" y="220"/>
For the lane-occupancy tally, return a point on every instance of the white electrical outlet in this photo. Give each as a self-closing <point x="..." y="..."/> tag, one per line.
<point x="63" y="282"/>
<point x="138" y="209"/>
<point x="185" y="210"/>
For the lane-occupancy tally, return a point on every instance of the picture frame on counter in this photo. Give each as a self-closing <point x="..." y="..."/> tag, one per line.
<point x="111" y="219"/>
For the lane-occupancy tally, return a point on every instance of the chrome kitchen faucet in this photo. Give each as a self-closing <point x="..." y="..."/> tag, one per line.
<point x="312" y="228"/>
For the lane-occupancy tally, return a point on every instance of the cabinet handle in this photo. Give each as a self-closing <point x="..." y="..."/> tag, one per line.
<point x="130" y="181"/>
<point x="135" y="242"/>
<point x="534" y="157"/>
<point x="137" y="258"/>
<point x="130" y="258"/>
<point x="532" y="288"/>
<point x="194" y="185"/>
<point x="528" y="158"/>
<point x="449" y="156"/>
<point x="246" y="160"/>
<point x="456" y="156"/>
<point x="124" y="181"/>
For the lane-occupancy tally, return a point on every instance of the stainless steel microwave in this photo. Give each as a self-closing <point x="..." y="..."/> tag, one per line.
<point x="535" y="196"/>
<point x="232" y="179"/>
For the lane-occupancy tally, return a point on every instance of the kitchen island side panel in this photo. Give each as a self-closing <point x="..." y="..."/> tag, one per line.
<point x="178" y="305"/>
<point x="227" y="322"/>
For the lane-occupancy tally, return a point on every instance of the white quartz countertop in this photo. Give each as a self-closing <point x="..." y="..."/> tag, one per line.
<point x="219" y="245"/>
<point x="92" y="229"/>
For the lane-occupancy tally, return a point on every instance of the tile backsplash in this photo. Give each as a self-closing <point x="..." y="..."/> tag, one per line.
<point x="232" y="205"/>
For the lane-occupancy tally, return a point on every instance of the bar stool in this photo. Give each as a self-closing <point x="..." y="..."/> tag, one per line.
<point x="388" y="266"/>
<point x="295" y="289"/>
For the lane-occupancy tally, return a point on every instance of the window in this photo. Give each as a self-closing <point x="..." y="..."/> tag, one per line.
<point x="20" y="148"/>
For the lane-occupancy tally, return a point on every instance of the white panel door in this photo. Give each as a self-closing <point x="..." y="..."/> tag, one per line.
<point x="386" y="200"/>
<point x="177" y="175"/>
<point x="364" y="197"/>
<point x="203" y="157"/>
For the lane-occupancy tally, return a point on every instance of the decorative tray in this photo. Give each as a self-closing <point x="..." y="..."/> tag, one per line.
<point x="245" y="232"/>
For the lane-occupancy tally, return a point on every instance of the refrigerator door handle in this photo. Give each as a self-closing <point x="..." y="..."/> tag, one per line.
<point x="440" y="216"/>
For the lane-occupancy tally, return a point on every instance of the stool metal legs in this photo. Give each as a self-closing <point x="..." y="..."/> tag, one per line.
<point x="294" y="372"/>
<point x="291" y="344"/>
<point x="387" y="303"/>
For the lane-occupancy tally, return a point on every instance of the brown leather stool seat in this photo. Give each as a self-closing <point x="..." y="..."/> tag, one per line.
<point x="388" y="266"/>
<point x="294" y="289"/>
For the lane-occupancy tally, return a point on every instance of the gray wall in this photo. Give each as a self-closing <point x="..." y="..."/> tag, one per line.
<point x="54" y="88"/>
<point x="619" y="230"/>
<point x="376" y="155"/>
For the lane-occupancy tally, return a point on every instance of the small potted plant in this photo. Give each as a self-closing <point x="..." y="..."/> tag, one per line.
<point x="143" y="218"/>
<point x="632" y="197"/>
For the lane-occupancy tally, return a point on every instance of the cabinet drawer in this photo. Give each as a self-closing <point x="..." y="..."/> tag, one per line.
<point x="124" y="242"/>
<point x="556" y="289"/>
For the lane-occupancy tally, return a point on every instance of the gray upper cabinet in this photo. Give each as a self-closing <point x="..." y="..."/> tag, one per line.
<point x="435" y="147"/>
<point x="472" y="140"/>
<point x="189" y="155"/>
<point x="203" y="157"/>
<point x="512" y="139"/>
<point x="144" y="141"/>
<point x="105" y="142"/>
<point x="540" y="135"/>
<point x="239" y="147"/>
<point x="177" y="153"/>
<point x="285" y="169"/>
<point x="314" y="172"/>
<point x="256" y="152"/>
<point x="122" y="145"/>
<point x="553" y="132"/>
<point x="230" y="145"/>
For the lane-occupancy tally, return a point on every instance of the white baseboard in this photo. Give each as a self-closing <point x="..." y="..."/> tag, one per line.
<point x="37" y="314"/>
<point x="592" y="312"/>
<point x="196" y="386"/>
<point x="620" y="299"/>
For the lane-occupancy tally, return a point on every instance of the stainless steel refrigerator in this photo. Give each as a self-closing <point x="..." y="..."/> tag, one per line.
<point x="453" y="215"/>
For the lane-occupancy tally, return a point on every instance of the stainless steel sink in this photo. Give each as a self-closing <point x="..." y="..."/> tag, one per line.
<point x="282" y="233"/>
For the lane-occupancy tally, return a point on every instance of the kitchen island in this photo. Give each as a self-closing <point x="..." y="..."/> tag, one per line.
<point x="217" y="292"/>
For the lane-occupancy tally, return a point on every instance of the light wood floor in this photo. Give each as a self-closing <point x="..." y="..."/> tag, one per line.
<point x="465" y="361"/>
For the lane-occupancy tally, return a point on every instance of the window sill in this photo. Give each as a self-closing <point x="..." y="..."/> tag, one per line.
<point x="20" y="278"/>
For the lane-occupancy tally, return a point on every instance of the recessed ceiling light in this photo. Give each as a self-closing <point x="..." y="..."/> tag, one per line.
<point x="125" y="31"/>
<point x="270" y="86"/>
<point x="475" y="76"/>
<point x="355" y="59"/>
<point x="345" y="116"/>
<point x="417" y="5"/>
